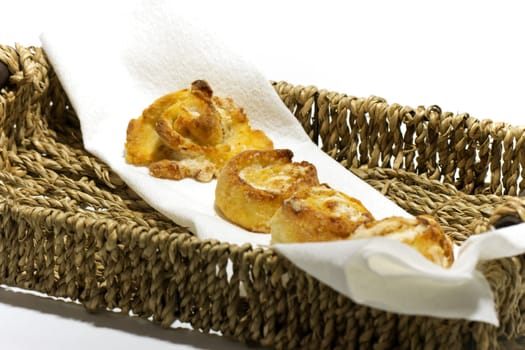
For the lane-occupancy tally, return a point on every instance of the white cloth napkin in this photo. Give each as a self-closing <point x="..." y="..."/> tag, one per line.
<point x="114" y="66"/>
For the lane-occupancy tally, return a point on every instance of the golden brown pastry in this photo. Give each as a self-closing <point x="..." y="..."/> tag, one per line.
<point x="318" y="213"/>
<point x="252" y="186"/>
<point x="422" y="232"/>
<point x="190" y="133"/>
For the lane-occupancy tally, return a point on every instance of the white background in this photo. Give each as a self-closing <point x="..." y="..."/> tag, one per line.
<point x="465" y="56"/>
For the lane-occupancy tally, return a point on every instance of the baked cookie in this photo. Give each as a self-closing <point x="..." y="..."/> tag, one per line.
<point x="421" y="232"/>
<point x="190" y="133"/>
<point x="252" y="186"/>
<point x="318" y="213"/>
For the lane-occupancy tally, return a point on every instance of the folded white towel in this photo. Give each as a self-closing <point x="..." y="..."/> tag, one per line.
<point x="115" y="66"/>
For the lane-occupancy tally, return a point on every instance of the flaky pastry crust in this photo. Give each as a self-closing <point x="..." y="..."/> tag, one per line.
<point x="190" y="133"/>
<point x="319" y="213"/>
<point x="421" y="232"/>
<point x="252" y="186"/>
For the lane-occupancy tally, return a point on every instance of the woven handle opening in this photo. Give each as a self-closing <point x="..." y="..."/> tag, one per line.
<point x="510" y="213"/>
<point x="4" y="75"/>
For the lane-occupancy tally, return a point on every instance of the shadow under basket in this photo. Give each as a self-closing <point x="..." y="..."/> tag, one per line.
<point x="71" y="228"/>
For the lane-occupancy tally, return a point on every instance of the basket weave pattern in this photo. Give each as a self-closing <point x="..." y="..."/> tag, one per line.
<point x="71" y="228"/>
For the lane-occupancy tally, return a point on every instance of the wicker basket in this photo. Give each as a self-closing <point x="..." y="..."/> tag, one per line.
<point x="71" y="228"/>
